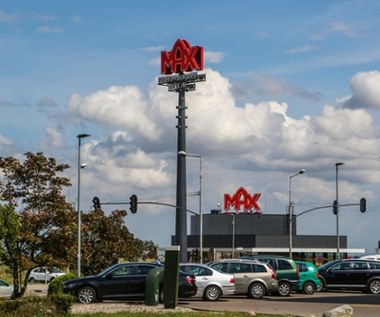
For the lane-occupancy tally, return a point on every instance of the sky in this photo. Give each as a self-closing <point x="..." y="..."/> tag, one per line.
<point x="290" y="85"/>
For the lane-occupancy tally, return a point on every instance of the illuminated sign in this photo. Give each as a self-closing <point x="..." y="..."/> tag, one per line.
<point x="242" y="200"/>
<point x="182" y="58"/>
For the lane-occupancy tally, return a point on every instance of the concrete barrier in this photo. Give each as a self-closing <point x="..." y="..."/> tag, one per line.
<point x="341" y="311"/>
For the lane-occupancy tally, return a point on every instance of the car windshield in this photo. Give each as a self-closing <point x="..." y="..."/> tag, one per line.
<point x="327" y="265"/>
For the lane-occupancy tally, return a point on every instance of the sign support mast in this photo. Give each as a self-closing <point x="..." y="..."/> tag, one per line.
<point x="177" y="64"/>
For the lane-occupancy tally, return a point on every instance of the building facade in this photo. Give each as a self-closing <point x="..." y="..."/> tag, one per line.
<point x="228" y="234"/>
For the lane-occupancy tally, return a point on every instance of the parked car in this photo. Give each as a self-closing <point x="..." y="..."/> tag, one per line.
<point x="375" y="257"/>
<point x="44" y="274"/>
<point x="353" y="274"/>
<point x="6" y="290"/>
<point x="212" y="284"/>
<point x="232" y="265"/>
<point x="252" y="277"/>
<point x="123" y="280"/>
<point x="286" y="270"/>
<point x="308" y="277"/>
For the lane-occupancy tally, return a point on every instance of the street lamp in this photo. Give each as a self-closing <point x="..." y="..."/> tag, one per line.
<point x="290" y="212"/>
<point x="337" y="210"/>
<point x="80" y="166"/>
<point x="183" y="153"/>
<point x="233" y="236"/>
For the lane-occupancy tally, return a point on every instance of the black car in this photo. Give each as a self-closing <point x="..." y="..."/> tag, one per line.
<point x="123" y="280"/>
<point x="353" y="274"/>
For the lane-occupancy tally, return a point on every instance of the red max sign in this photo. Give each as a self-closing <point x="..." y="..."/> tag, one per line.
<point x="242" y="199"/>
<point x="182" y="58"/>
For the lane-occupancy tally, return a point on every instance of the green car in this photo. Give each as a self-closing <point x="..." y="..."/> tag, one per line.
<point x="309" y="277"/>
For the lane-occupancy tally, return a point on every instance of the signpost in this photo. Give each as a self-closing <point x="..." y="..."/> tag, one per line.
<point x="179" y="67"/>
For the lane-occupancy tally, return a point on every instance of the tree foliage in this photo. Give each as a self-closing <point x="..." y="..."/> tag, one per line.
<point x="37" y="227"/>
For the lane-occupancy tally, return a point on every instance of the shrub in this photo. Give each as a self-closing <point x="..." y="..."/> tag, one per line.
<point x="37" y="306"/>
<point x="55" y="286"/>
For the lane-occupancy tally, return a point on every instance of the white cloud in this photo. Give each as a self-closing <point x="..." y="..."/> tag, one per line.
<point x="117" y="106"/>
<point x="265" y="85"/>
<point x="4" y="140"/>
<point x="344" y="28"/>
<point x="214" y="57"/>
<point x="55" y="139"/>
<point x="302" y="49"/>
<point x="365" y="87"/>
<point x="48" y="29"/>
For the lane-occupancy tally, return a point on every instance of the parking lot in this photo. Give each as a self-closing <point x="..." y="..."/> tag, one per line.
<point x="364" y="305"/>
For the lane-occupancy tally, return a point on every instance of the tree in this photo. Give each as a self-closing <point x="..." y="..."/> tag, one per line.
<point x="37" y="227"/>
<point x="33" y="188"/>
<point x="106" y="240"/>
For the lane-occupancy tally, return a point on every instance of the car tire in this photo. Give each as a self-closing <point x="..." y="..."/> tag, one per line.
<point x="86" y="295"/>
<point x="284" y="289"/>
<point x="256" y="290"/>
<point x="212" y="293"/>
<point x="309" y="288"/>
<point x="161" y="295"/>
<point x="374" y="286"/>
<point x="321" y="287"/>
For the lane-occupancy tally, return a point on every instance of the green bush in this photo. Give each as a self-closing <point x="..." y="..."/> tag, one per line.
<point x="37" y="306"/>
<point x="55" y="286"/>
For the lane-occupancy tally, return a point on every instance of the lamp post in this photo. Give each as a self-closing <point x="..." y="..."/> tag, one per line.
<point x="337" y="210"/>
<point x="233" y="236"/>
<point x="290" y="212"/>
<point x="80" y="137"/>
<point x="183" y="153"/>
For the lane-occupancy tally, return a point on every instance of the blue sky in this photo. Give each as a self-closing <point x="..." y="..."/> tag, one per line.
<point x="290" y="85"/>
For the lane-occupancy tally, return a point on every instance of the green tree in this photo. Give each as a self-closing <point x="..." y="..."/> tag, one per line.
<point x="46" y="234"/>
<point x="33" y="188"/>
<point x="106" y="240"/>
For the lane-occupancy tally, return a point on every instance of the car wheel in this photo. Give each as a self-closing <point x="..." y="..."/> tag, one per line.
<point x="309" y="288"/>
<point x="374" y="286"/>
<point x="284" y="288"/>
<point x="321" y="286"/>
<point x="86" y="295"/>
<point x="256" y="290"/>
<point x="161" y="295"/>
<point x="212" y="293"/>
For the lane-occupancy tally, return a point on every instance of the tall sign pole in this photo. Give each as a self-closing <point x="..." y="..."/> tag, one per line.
<point x="179" y="67"/>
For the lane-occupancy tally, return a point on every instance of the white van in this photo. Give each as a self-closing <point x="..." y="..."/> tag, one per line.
<point x="375" y="257"/>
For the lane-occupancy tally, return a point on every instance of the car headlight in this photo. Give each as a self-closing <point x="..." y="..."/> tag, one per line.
<point x="69" y="285"/>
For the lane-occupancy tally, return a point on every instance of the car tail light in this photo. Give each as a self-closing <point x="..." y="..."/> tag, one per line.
<point x="190" y="279"/>
<point x="298" y="273"/>
<point x="274" y="274"/>
<point x="317" y="274"/>
<point x="232" y="280"/>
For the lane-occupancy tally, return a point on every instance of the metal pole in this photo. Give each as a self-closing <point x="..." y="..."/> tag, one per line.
<point x="291" y="211"/>
<point x="337" y="211"/>
<point x="181" y="220"/>
<point x="233" y="236"/>
<point x="200" y="211"/>
<point x="183" y="153"/>
<point x="80" y="137"/>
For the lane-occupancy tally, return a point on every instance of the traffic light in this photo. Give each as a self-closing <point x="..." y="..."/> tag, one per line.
<point x="195" y="255"/>
<point x="133" y="204"/>
<point x="335" y="207"/>
<point x="96" y="202"/>
<point x="363" y="205"/>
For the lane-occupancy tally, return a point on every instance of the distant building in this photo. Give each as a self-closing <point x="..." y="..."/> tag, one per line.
<point x="233" y="234"/>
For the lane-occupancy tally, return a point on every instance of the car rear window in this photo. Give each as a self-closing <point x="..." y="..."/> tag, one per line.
<point x="259" y="268"/>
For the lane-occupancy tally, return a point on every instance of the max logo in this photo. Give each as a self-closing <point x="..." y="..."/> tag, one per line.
<point x="242" y="199"/>
<point x="182" y="58"/>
